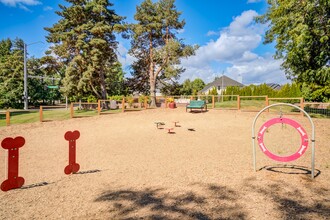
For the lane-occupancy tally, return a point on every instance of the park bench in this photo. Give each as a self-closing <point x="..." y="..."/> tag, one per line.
<point x="197" y="104"/>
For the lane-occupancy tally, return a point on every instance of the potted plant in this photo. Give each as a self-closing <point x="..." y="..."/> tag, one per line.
<point x="171" y="103"/>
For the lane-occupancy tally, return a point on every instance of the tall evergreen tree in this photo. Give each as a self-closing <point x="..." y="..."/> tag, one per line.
<point x="155" y="44"/>
<point x="301" y="32"/>
<point x="197" y="85"/>
<point x="84" y="39"/>
<point x="139" y="82"/>
<point x="186" y="87"/>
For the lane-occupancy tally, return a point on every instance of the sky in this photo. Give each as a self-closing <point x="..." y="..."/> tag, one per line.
<point x="229" y="40"/>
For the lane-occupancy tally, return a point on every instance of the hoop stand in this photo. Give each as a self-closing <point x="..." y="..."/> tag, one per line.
<point x="312" y="139"/>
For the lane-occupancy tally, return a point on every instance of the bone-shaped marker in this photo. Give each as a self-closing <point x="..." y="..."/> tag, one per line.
<point x="12" y="145"/>
<point x="73" y="167"/>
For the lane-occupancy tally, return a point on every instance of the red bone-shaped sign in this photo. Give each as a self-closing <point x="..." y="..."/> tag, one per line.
<point x="12" y="145"/>
<point x="73" y="167"/>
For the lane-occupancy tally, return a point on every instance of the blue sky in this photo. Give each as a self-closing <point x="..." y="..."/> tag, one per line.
<point x="230" y="42"/>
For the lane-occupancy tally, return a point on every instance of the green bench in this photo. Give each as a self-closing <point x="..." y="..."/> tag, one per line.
<point x="197" y="104"/>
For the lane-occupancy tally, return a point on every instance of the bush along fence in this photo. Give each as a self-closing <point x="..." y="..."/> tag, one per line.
<point x="126" y="104"/>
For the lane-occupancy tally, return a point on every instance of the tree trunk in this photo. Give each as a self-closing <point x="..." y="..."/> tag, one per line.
<point x="105" y="105"/>
<point x="152" y="91"/>
<point x="152" y="79"/>
<point x="102" y="85"/>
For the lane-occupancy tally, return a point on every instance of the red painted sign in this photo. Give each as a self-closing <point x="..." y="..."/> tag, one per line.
<point x="294" y="124"/>
<point x="12" y="145"/>
<point x="73" y="167"/>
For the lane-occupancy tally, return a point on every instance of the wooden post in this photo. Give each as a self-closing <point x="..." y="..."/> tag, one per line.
<point x="213" y="103"/>
<point x="165" y="102"/>
<point x="71" y="110"/>
<point x="145" y="102"/>
<point x="99" y="107"/>
<point x="40" y="114"/>
<point x="238" y="102"/>
<point x="267" y="103"/>
<point x="7" y="118"/>
<point x="302" y="106"/>
<point x="123" y="105"/>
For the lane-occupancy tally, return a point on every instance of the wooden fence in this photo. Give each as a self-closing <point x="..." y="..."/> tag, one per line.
<point x="228" y="102"/>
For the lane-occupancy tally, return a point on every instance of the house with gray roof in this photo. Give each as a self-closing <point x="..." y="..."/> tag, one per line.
<point x="274" y="86"/>
<point x="220" y="84"/>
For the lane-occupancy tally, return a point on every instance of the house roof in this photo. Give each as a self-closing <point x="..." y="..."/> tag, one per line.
<point x="274" y="86"/>
<point x="224" y="81"/>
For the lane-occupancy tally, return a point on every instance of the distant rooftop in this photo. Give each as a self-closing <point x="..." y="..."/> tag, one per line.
<point x="274" y="86"/>
<point x="224" y="81"/>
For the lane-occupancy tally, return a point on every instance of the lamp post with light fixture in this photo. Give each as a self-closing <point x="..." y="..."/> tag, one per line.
<point x="25" y="93"/>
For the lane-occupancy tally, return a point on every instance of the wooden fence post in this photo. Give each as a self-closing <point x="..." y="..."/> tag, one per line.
<point x="238" y="102"/>
<point x="165" y="102"/>
<point x="99" y="107"/>
<point x="71" y="110"/>
<point x="145" y="102"/>
<point x="267" y="102"/>
<point x="40" y="114"/>
<point x="213" y="103"/>
<point x="123" y="105"/>
<point x="7" y="118"/>
<point x="302" y="106"/>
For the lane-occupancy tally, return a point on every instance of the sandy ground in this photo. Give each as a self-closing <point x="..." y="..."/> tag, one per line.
<point x="129" y="169"/>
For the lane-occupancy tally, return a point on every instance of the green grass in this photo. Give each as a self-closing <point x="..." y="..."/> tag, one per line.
<point x="226" y="104"/>
<point x="112" y="111"/>
<point x="56" y="115"/>
<point x="245" y="104"/>
<point x="21" y="117"/>
<point x="85" y="113"/>
<point x="254" y="104"/>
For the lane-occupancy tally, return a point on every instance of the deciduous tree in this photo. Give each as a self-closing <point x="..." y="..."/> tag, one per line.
<point x="11" y="73"/>
<point x="301" y="32"/>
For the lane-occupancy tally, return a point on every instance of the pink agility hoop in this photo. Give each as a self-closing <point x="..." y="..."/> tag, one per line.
<point x="297" y="126"/>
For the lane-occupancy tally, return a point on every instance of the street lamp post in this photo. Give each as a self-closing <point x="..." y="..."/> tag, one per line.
<point x="25" y="93"/>
<point x="222" y="86"/>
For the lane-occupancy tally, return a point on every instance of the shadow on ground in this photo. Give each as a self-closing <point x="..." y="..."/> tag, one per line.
<point x="306" y="200"/>
<point x="282" y="199"/>
<point x="217" y="202"/>
<point x="291" y="169"/>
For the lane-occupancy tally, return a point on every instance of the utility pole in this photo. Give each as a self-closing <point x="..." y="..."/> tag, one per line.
<point x="222" y="86"/>
<point x="25" y="93"/>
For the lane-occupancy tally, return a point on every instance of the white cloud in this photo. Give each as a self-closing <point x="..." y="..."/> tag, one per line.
<point x="124" y="58"/>
<point x="242" y="35"/>
<point x="234" y="48"/>
<point x="212" y="33"/>
<point x="47" y="8"/>
<point x="20" y="3"/>
<point x="260" y="70"/>
<point x="21" y="6"/>
<point x="253" y="1"/>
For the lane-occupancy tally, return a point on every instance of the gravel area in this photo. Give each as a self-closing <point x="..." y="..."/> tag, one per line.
<point x="129" y="169"/>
